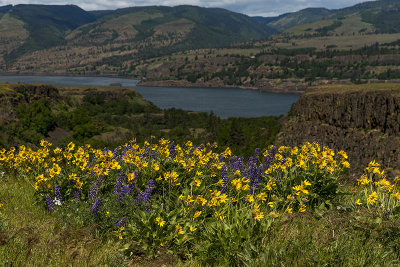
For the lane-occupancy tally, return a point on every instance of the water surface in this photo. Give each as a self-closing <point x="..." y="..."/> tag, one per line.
<point x="224" y="102"/>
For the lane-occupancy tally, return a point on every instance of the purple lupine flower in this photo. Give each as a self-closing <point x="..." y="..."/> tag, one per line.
<point x="221" y="159"/>
<point x="233" y="162"/>
<point x="224" y="177"/>
<point x="77" y="194"/>
<point x="256" y="153"/>
<point x="145" y="195"/>
<point x="145" y="153"/>
<point x="57" y="193"/>
<point x="154" y="153"/>
<point x="115" y="152"/>
<point x="254" y="174"/>
<point x="124" y="191"/>
<point x="93" y="190"/>
<point x="50" y="203"/>
<point x="96" y="205"/>
<point x="191" y="153"/>
<point x="99" y="181"/>
<point x="172" y="152"/>
<point x="236" y="163"/>
<point x="131" y="187"/>
<point x="268" y="159"/>
<point x="147" y="208"/>
<point x="252" y="160"/>
<point x="123" y="152"/>
<point x="121" y="222"/>
<point x="120" y="180"/>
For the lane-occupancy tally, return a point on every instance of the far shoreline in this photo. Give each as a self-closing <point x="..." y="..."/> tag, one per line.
<point x="160" y="83"/>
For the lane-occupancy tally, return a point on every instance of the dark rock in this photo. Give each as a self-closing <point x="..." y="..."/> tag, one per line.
<point x="364" y="123"/>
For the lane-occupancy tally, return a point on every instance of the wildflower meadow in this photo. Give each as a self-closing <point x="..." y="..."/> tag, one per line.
<point x="200" y="202"/>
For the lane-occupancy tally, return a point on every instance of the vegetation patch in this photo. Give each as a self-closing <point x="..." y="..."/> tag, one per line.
<point x="137" y="204"/>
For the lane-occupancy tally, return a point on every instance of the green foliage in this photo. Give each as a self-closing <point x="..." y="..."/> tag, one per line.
<point x="37" y="116"/>
<point x="325" y="30"/>
<point x="47" y="25"/>
<point x="385" y="21"/>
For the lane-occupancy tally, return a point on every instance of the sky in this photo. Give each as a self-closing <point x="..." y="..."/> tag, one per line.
<point x="266" y="8"/>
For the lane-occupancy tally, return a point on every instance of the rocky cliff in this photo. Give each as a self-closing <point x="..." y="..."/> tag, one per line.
<point x="363" y="120"/>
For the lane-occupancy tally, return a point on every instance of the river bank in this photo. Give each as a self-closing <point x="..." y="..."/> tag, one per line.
<point x="285" y="87"/>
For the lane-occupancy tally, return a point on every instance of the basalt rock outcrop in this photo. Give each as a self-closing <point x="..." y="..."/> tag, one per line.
<point x="363" y="120"/>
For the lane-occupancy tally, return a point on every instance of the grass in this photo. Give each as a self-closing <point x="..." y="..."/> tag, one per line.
<point x="12" y="28"/>
<point x="31" y="236"/>
<point x="350" y="24"/>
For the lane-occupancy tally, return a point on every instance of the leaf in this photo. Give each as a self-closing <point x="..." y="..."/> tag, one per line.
<point x="378" y="220"/>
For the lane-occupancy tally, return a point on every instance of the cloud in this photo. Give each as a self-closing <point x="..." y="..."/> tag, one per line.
<point x="248" y="7"/>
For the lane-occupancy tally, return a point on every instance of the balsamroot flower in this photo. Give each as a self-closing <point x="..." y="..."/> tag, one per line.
<point x="372" y="198"/>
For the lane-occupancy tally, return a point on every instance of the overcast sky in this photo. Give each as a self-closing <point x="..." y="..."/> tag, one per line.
<point x="249" y="7"/>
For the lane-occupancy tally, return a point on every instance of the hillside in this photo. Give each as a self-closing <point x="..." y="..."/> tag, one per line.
<point x="303" y="16"/>
<point x="29" y="29"/>
<point x="46" y="25"/>
<point x="193" y="46"/>
<point x="382" y="15"/>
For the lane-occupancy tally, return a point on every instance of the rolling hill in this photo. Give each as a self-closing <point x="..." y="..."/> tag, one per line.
<point x="383" y="15"/>
<point x="25" y="29"/>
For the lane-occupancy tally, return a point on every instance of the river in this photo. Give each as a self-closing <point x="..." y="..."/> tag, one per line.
<point x="224" y="102"/>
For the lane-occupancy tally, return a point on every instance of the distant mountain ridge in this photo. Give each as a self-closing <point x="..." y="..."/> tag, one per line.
<point x="136" y="41"/>
<point x="47" y="26"/>
<point x="382" y="14"/>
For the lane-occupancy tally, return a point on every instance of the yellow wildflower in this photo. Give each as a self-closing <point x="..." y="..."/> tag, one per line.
<point x="196" y="214"/>
<point x="289" y="210"/>
<point x="274" y="214"/>
<point x="259" y="216"/>
<point x="179" y="230"/>
<point x="160" y="221"/>
<point x="155" y="167"/>
<point x="197" y="182"/>
<point x="372" y="198"/>
<point x="302" y="208"/>
<point x="262" y="196"/>
<point x="250" y="198"/>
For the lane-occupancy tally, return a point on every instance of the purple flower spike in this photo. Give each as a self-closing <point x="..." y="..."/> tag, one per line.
<point x="77" y="195"/>
<point x="96" y="205"/>
<point x="172" y="150"/>
<point x="224" y="177"/>
<point x="144" y="196"/>
<point x="118" y="184"/>
<point x="57" y="192"/>
<point x="93" y="190"/>
<point x="50" y="203"/>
